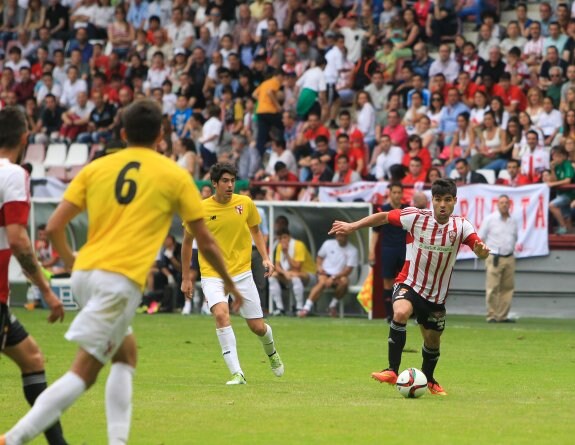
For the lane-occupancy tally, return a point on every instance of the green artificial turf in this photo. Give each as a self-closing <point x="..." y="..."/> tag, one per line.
<point x="507" y="384"/>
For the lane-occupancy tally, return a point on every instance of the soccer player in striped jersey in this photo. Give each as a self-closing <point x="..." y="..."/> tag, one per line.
<point x="130" y="198"/>
<point x="421" y="287"/>
<point x="14" y="209"/>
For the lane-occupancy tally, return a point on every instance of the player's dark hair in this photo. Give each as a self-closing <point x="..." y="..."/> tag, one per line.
<point x="217" y="171"/>
<point x="282" y="231"/>
<point x="12" y="127"/>
<point x="142" y="122"/>
<point x="444" y="186"/>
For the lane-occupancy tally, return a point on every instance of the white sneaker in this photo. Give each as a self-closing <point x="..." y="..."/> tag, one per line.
<point x="237" y="379"/>
<point x="187" y="310"/>
<point x="276" y="364"/>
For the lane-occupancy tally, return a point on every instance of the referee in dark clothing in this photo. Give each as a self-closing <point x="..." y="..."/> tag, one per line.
<point x="392" y="250"/>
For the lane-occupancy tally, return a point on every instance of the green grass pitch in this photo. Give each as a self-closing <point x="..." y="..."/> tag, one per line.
<point x="507" y="384"/>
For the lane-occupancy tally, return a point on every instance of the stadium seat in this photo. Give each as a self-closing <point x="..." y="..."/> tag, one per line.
<point x="34" y="154"/>
<point x="73" y="171"/>
<point x="503" y="174"/>
<point x="38" y="171"/>
<point x="487" y="174"/>
<point x="57" y="172"/>
<point x="55" y="155"/>
<point x="77" y="155"/>
<point x="93" y="150"/>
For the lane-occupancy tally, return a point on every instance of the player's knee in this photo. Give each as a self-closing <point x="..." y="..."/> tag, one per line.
<point x="34" y="362"/>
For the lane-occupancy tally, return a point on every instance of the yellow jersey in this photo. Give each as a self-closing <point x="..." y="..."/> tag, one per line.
<point x="130" y="197"/>
<point x="265" y="104"/>
<point x="299" y="252"/>
<point x="230" y="224"/>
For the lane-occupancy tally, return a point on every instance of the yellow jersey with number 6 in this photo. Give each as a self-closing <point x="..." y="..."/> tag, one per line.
<point x="131" y="197"/>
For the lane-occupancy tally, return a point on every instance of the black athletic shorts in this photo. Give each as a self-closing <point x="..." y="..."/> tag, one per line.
<point x="428" y="314"/>
<point x="11" y="331"/>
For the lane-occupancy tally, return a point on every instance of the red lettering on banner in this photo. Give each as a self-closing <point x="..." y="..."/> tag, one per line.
<point x="524" y="205"/>
<point x="464" y="206"/>
<point x="479" y="211"/>
<point x="540" y="214"/>
<point x="494" y="202"/>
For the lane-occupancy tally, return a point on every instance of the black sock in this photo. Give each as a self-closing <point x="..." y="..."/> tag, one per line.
<point x="387" y="297"/>
<point x="430" y="359"/>
<point x="395" y="344"/>
<point x="33" y="385"/>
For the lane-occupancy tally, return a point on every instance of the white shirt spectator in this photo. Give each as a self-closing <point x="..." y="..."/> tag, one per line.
<point x="60" y="74"/>
<point x="499" y="234"/>
<point x="156" y="77"/>
<point x="335" y="61"/>
<point x="538" y="161"/>
<point x="261" y="28"/>
<point x="219" y="31"/>
<point x="450" y="69"/>
<point x="313" y="79"/>
<point x="286" y="157"/>
<point x="550" y="122"/>
<point x="43" y="91"/>
<point x="378" y="95"/>
<point x="83" y="112"/>
<point x="87" y="10"/>
<point x="212" y="127"/>
<point x="70" y="92"/>
<point x="509" y="43"/>
<point x="169" y="104"/>
<point x="336" y="258"/>
<point x="104" y="16"/>
<point x="534" y="47"/>
<point x="366" y="121"/>
<point x="484" y="46"/>
<point x="385" y="160"/>
<point x="353" y="41"/>
<point x="15" y="67"/>
<point x="179" y="34"/>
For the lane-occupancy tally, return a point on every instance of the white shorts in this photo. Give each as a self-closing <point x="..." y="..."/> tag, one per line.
<point x="108" y="302"/>
<point x="213" y="289"/>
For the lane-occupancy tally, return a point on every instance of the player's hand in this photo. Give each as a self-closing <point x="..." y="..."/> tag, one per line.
<point x="187" y="288"/>
<point x="341" y="227"/>
<point x="481" y="250"/>
<point x="269" y="268"/>
<point x="55" y="305"/>
<point x="238" y="299"/>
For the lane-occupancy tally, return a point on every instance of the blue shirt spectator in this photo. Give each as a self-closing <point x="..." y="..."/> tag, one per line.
<point x="453" y="108"/>
<point x="138" y="14"/>
<point x="179" y="120"/>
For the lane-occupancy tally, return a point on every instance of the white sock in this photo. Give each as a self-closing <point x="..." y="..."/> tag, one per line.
<point x="119" y="403"/>
<point x="268" y="341"/>
<point x="227" y="340"/>
<point x="298" y="290"/>
<point x="334" y="302"/>
<point x="308" y="305"/>
<point x="276" y="292"/>
<point x="47" y="408"/>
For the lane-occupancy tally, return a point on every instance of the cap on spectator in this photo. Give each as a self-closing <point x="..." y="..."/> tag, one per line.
<point x="179" y="51"/>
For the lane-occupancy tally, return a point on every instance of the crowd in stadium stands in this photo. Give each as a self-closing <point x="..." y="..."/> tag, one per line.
<point x="309" y="90"/>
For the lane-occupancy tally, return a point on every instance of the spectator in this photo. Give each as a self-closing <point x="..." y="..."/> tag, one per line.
<point x="486" y="41"/>
<point x="216" y="25"/>
<point x="336" y="260"/>
<point x="101" y="121"/>
<point x="280" y="153"/>
<point x="416" y="110"/>
<point x="561" y="174"/>
<point x="514" y="38"/>
<point x="245" y="157"/>
<point x="186" y="156"/>
<point x="294" y="267"/>
<point x="48" y="86"/>
<point x="355" y="155"/>
<point x="76" y="119"/>
<point x="534" y="158"/>
<point x="160" y="45"/>
<point x="555" y="85"/>
<point x="269" y="109"/>
<point x="320" y="172"/>
<point x="516" y="179"/>
<point x="50" y="122"/>
<point x="421" y="62"/>
<point x="16" y="62"/>
<point x="445" y="65"/>
<point x="493" y="147"/>
<point x="209" y="140"/>
<point x="104" y="15"/>
<point x="378" y="91"/>
<point x="72" y="86"/>
<point x="443" y="24"/>
<point x="25" y="88"/>
<point x="395" y="130"/>
<point x="311" y="90"/>
<point x="533" y="49"/>
<point x="366" y="117"/>
<point x="180" y="32"/>
<point x="550" y="121"/>
<point x="415" y="174"/>
<point x="167" y="273"/>
<point x="282" y="193"/>
<point x="345" y="174"/>
<point x="499" y="230"/>
<point x="416" y="149"/>
<point x="448" y="117"/>
<point x="494" y="67"/>
<point x="121" y="34"/>
<point x="83" y="16"/>
<point x="138" y="14"/>
<point x="312" y="128"/>
<point x="466" y="175"/>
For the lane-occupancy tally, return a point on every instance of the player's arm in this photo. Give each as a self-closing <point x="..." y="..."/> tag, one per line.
<point x="210" y="250"/>
<point x="21" y="247"/>
<point x="377" y="219"/>
<point x="319" y="265"/>
<point x="56" y="230"/>
<point x="372" y="246"/>
<point x="187" y="243"/>
<point x="260" y="243"/>
<point x="479" y="248"/>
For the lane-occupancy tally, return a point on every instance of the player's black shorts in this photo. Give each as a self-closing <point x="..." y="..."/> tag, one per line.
<point x="11" y="331"/>
<point x="392" y="259"/>
<point x="428" y="314"/>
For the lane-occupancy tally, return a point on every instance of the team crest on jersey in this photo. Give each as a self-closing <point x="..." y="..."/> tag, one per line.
<point x="240" y="209"/>
<point x="452" y="235"/>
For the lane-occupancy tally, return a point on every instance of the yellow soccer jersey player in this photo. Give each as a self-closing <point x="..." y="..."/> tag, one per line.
<point x="130" y="211"/>
<point x="234" y="221"/>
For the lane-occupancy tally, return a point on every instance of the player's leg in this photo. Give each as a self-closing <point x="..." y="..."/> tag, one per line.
<point x="24" y="351"/>
<point x="323" y="281"/>
<point x="218" y="303"/>
<point x="341" y="284"/>
<point x="58" y="397"/>
<point x="431" y="321"/>
<point x="402" y="310"/>
<point x="492" y="281"/>
<point x="119" y="391"/>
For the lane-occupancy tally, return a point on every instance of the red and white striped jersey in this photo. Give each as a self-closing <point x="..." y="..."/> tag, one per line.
<point x="14" y="209"/>
<point x="431" y="254"/>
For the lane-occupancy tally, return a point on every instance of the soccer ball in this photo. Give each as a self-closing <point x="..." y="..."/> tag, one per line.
<point x="411" y="383"/>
